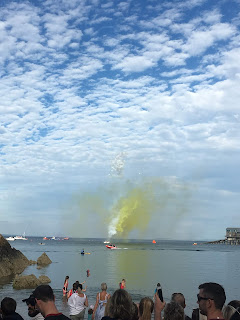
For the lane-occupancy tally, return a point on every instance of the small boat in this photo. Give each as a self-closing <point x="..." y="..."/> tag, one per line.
<point x="10" y="239"/>
<point x="195" y="243"/>
<point x="106" y="241"/>
<point x="45" y="238"/>
<point x="20" y="238"/>
<point x="111" y="246"/>
<point x="66" y="238"/>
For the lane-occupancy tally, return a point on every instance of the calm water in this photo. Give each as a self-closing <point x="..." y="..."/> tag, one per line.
<point x="177" y="265"/>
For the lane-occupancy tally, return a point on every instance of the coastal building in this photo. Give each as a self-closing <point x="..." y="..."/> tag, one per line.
<point x="232" y="236"/>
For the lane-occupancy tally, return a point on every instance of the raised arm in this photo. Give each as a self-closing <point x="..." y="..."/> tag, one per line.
<point x="158" y="307"/>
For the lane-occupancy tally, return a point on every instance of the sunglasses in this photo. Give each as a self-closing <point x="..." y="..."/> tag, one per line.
<point x="199" y="298"/>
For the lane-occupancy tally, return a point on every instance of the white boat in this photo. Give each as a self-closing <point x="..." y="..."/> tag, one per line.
<point x="10" y="238"/>
<point x="106" y="242"/>
<point x="20" y="237"/>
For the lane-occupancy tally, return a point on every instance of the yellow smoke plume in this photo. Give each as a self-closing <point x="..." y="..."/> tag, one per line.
<point x="131" y="212"/>
<point x="116" y="211"/>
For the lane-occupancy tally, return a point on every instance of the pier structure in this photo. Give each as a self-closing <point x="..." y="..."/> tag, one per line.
<point x="232" y="236"/>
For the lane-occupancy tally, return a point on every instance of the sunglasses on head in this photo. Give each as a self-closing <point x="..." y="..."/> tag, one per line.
<point x="199" y="298"/>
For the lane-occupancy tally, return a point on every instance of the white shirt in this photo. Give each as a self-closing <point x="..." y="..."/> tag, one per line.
<point x="76" y="303"/>
<point x="37" y="317"/>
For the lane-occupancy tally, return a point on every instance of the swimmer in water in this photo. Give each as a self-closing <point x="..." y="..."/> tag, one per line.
<point x="122" y="284"/>
<point x="65" y="286"/>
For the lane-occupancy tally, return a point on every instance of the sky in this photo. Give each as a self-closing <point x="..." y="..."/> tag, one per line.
<point x="100" y="98"/>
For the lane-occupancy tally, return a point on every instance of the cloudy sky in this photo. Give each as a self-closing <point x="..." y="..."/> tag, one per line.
<point x="101" y="97"/>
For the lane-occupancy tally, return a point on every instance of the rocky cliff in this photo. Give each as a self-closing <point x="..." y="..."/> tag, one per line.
<point x="12" y="261"/>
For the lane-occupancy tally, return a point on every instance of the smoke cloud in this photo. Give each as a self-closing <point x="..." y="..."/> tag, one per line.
<point x="125" y="207"/>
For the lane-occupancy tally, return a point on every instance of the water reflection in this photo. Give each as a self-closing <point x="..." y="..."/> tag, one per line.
<point x="134" y="265"/>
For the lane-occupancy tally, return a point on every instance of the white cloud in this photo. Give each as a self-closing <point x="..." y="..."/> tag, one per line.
<point x="82" y="82"/>
<point x="199" y="41"/>
<point x="134" y="64"/>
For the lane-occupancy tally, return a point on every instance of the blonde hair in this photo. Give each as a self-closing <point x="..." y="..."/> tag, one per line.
<point x="103" y="286"/>
<point x="146" y="308"/>
<point x="121" y="305"/>
<point x="173" y="311"/>
<point x="229" y="311"/>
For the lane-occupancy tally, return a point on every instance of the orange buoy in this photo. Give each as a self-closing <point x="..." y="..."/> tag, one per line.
<point x="153" y="241"/>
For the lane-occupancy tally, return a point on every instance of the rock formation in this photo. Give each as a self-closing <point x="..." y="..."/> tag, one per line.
<point x="29" y="281"/>
<point x="12" y="261"/>
<point x="43" y="260"/>
<point x="44" y="279"/>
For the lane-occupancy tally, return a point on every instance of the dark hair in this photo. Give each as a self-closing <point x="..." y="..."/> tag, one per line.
<point x="173" y="311"/>
<point x="234" y="303"/>
<point x="179" y="298"/>
<point x="79" y="285"/>
<point x="90" y="311"/>
<point x="236" y="315"/>
<point x="146" y="308"/>
<point x="8" y="306"/>
<point x="121" y="306"/>
<point x="214" y="291"/>
<point x="44" y="292"/>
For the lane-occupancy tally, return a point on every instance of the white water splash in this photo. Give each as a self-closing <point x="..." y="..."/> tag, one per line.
<point x="117" y="165"/>
<point x="112" y="227"/>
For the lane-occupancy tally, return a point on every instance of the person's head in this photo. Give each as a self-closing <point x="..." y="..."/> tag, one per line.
<point x="103" y="286"/>
<point x="8" y="306"/>
<point x="232" y="310"/>
<point x="146" y="308"/>
<point x="211" y="297"/>
<point x="179" y="298"/>
<point x="66" y="278"/>
<point x="79" y="288"/>
<point x="121" y="306"/>
<point x="44" y="292"/>
<point x="75" y="286"/>
<point x="173" y="311"/>
<point x="44" y="296"/>
<point x="158" y="284"/>
<point x="90" y="310"/>
<point x="31" y="304"/>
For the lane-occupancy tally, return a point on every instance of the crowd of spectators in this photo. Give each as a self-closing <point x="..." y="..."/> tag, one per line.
<point x="211" y="300"/>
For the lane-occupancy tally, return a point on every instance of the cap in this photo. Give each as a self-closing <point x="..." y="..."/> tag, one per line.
<point x="30" y="300"/>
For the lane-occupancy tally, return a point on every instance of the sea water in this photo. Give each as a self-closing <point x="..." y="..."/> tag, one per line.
<point x="179" y="266"/>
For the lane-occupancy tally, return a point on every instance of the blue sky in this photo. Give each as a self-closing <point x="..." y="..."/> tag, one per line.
<point x="98" y="97"/>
